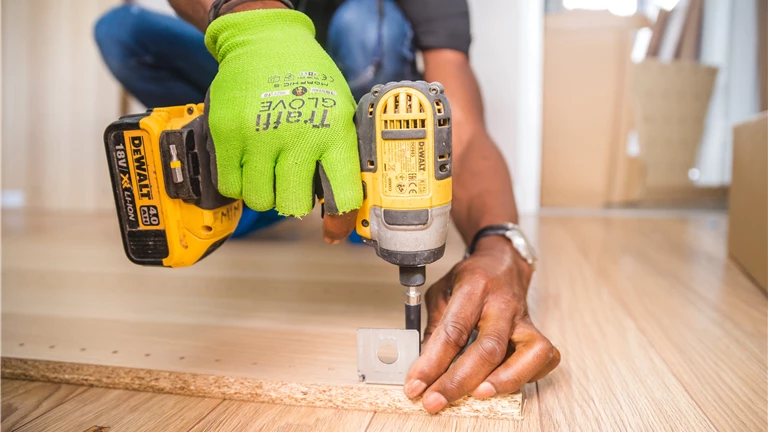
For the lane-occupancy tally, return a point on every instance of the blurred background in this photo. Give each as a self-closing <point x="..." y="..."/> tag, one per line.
<point x="594" y="103"/>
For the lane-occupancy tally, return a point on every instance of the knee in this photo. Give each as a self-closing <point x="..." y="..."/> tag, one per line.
<point x="114" y="31"/>
<point x="355" y="27"/>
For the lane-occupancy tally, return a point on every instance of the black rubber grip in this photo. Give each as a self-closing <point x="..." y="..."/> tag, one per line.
<point x="413" y="319"/>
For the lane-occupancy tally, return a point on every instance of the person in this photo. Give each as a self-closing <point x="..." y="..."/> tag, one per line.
<point x="250" y="55"/>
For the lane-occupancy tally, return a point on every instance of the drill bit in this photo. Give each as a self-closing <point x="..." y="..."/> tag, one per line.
<point x="412" y="278"/>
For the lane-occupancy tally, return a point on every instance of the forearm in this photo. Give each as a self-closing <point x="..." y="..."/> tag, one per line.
<point x="482" y="186"/>
<point x="195" y="12"/>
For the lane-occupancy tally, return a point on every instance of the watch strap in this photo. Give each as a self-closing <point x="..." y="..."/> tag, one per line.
<point x="221" y="7"/>
<point x="490" y="230"/>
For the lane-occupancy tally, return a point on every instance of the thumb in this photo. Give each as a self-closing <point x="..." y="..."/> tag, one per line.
<point x="340" y="178"/>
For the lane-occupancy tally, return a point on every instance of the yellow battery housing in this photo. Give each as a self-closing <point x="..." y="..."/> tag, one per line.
<point x="165" y="222"/>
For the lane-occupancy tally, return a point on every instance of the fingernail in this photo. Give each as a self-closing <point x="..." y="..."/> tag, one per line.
<point x="434" y="402"/>
<point x="484" y="390"/>
<point x="414" y="388"/>
<point x="331" y="241"/>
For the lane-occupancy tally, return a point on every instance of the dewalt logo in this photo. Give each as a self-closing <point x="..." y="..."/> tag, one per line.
<point x="422" y="157"/>
<point x="144" y="188"/>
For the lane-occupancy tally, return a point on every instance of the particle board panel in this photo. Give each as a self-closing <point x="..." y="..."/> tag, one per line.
<point x="122" y="410"/>
<point x="386" y="422"/>
<point x="23" y="401"/>
<point x="270" y="319"/>
<point x="253" y="417"/>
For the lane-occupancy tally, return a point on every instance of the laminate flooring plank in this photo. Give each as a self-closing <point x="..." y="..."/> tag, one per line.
<point x="611" y="377"/>
<point x="23" y="401"/>
<point x="256" y="417"/>
<point x="122" y="410"/>
<point x="704" y="317"/>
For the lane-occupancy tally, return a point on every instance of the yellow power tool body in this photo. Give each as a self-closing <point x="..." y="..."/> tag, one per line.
<point x="171" y="214"/>
<point x="169" y="211"/>
<point x="404" y="141"/>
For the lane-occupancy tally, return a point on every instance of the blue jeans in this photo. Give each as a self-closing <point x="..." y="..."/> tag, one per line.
<point x="162" y="60"/>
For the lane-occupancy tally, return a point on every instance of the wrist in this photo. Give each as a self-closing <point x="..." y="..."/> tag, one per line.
<point x="508" y="257"/>
<point x="255" y="5"/>
<point x="257" y="29"/>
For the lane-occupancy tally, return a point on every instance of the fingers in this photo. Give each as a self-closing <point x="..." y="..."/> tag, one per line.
<point x="294" y="174"/>
<point x="436" y="300"/>
<point x="553" y="363"/>
<point x="451" y="334"/>
<point x="229" y="167"/>
<point x="534" y="358"/>
<point x="341" y="170"/>
<point x="479" y="360"/>
<point x="337" y="227"/>
<point x="259" y="182"/>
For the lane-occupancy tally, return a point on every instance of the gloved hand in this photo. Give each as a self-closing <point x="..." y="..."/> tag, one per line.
<point x="278" y="106"/>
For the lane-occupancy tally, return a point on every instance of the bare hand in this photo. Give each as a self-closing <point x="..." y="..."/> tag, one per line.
<point x="485" y="291"/>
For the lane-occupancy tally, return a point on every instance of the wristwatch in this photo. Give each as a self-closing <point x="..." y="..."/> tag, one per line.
<point x="514" y="234"/>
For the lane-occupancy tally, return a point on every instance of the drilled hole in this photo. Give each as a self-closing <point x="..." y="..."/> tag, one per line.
<point x="147" y="355"/>
<point x="387" y="353"/>
<point x="82" y="349"/>
<point x="181" y="358"/>
<point x="21" y="344"/>
<point x="52" y="346"/>
<point x="218" y="360"/>
<point x="114" y="352"/>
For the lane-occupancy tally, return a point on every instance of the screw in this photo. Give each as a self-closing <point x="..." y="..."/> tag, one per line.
<point x="190" y="110"/>
<point x="365" y="223"/>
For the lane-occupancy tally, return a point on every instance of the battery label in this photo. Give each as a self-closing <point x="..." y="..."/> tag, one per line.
<point x="405" y="168"/>
<point x="143" y="180"/>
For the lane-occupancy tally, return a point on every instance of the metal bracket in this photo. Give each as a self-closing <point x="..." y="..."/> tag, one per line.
<point x="384" y="356"/>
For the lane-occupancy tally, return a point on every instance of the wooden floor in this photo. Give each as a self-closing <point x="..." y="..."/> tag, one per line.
<point x="657" y="328"/>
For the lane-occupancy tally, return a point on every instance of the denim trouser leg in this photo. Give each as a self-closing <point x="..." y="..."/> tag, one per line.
<point x="162" y="60"/>
<point x="159" y="59"/>
<point x="371" y="47"/>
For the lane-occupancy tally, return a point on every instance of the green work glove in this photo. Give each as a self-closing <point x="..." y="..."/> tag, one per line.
<point x="278" y="106"/>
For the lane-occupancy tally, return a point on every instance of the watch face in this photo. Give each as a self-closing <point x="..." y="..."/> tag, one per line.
<point x="520" y="243"/>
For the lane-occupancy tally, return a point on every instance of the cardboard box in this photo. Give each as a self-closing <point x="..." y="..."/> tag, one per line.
<point x="586" y="65"/>
<point x="748" y="214"/>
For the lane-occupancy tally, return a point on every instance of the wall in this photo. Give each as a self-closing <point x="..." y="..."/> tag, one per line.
<point x="507" y="57"/>
<point x="57" y="98"/>
<point x="729" y="42"/>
